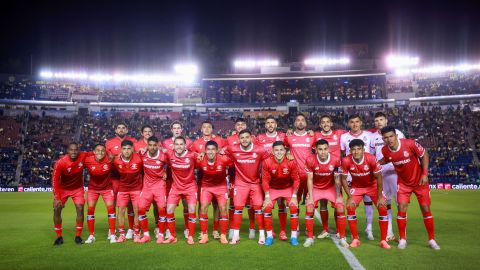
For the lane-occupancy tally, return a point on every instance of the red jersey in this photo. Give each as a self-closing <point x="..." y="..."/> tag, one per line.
<point x="68" y="174"/>
<point x="362" y="173"/>
<point x="153" y="168"/>
<point x="199" y="145"/>
<point x="247" y="162"/>
<point x="99" y="172"/>
<point x="168" y="143"/>
<point x="140" y="146"/>
<point x="333" y="139"/>
<point x="268" y="140"/>
<point x="323" y="172"/>
<point x="183" y="168"/>
<point x="214" y="174"/>
<point x="130" y="173"/>
<point x="279" y="175"/>
<point x="406" y="161"/>
<point x="300" y="147"/>
<point x="234" y="140"/>
<point x="114" y="147"/>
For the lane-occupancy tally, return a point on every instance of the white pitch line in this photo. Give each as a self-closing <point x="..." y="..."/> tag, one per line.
<point x="347" y="254"/>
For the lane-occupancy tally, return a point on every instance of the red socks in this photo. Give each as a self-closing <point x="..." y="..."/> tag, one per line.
<point x="162" y="220"/>
<point x="282" y="217"/>
<point x="251" y="217"/>
<point x="91" y="220"/>
<point x="192" y="222"/>
<point x="143" y="219"/>
<point x="267" y="218"/>
<point x="259" y="217"/>
<point x="237" y="218"/>
<point x="324" y="217"/>
<point x="171" y="224"/>
<point x="131" y="216"/>
<point x="58" y="230"/>
<point x="402" y="224"/>
<point x="112" y="219"/>
<point x="429" y="225"/>
<point x="352" y="222"/>
<point x="204" y="223"/>
<point x="293" y="217"/>
<point x="223" y="224"/>
<point x="309" y="223"/>
<point x="78" y="229"/>
<point x="383" y="222"/>
<point x="121" y="230"/>
<point x="341" y="221"/>
<point x="185" y="217"/>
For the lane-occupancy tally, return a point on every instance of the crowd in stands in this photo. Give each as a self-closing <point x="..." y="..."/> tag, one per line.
<point x="453" y="84"/>
<point x="445" y="132"/>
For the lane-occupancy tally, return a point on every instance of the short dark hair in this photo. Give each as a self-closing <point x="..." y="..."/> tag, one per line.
<point x="146" y="126"/>
<point x="240" y="120"/>
<point x="180" y="138"/>
<point x="244" y="131"/>
<point x="277" y="143"/>
<point x="387" y="129"/>
<point x="353" y="116"/>
<point x="121" y="124"/>
<point x="214" y="143"/>
<point x="176" y="122"/>
<point x="380" y="114"/>
<point x="300" y="114"/>
<point x="356" y="142"/>
<point x="98" y="144"/>
<point x="72" y="143"/>
<point x="326" y="116"/>
<point x="208" y="122"/>
<point x="321" y="142"/>
<point x="126" y="143"/>
<point x="152" y="139"/>
<point x="270" y="117"/>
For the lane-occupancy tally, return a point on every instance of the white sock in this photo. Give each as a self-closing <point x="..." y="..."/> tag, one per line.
<point x="294" y="234"/>
<point x="236" y="234"/>
<point x="369" y="215"/>
<point x="146" y="234"/>
<point x="269" y="234"/>
<point x="262" y="233"/>
<point x="390" y="229"/>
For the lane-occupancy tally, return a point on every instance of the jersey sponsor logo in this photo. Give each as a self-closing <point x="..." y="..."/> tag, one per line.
<point x="360" y="174"/>
<point x="401" y="162"/>
<point x="323" y="174"/>
<point x="246" y="161"/>
<point x="406" y="154"/>
<point x="179" y="166"/>
<point x="300" y="145"/>
<point x="153" y="167"/>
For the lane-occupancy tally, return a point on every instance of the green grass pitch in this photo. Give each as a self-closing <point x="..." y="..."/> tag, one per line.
<point x="26" y="242"/>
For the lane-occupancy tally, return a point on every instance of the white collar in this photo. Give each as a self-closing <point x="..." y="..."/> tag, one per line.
<point x="326" y="162"/>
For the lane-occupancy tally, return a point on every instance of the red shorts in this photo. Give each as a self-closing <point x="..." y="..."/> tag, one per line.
<point x="358" y="193"/>
<point x="220" y="193"/>
<point x="115" y="185"/>
<point x="168" y="186"/>
<point x="77" y="195"/>
<point x="285" y="193"/>
<point x="157" y="194"/>
<point x="175" y="195"/>
<point x="124" y="197"/>
<point x="243" y="191"/>
<point x="107" y="195"/>
<point x="421" y="191"/>
<point x="329" y="194"/>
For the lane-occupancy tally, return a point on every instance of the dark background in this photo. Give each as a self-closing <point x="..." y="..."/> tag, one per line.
<point x="96" y="35"/>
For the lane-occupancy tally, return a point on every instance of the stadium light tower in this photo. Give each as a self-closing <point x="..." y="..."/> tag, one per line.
<point x="255" y="63"/>
<point x="402" y="61"/>
<point x="325" y="61"/>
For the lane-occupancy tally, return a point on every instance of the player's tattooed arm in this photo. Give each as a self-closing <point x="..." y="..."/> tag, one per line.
<point x="338" y="187"/>
<point x="425" y="164"/>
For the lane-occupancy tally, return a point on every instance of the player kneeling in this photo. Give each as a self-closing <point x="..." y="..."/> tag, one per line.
<point x="366" y="175"/>
<point x="214" y="185"/>
<point x="99" y="167"/>
<point x="280" y="180"/>
<point x="323" y="183"/>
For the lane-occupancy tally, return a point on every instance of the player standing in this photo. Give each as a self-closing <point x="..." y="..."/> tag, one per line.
<point x="324" y="184"/>
<point x="280" y="180"/>
<point x="411" y="164"/>
<point x="355" y="124"/>
<point x="389" y="176"/>
<point x="99" y="167"/>
<point x="214" y="174"/>
<point x="67" y="182"/>
<point x="129" y="165"/>
<point x="366" y="175"/>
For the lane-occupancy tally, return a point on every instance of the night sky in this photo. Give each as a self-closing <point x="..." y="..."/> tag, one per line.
<point x="144" y="36"/>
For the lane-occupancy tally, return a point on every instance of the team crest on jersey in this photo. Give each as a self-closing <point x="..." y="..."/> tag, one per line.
<point x="294" y="139"/>
<point x="308" y="140"/>
<point x="389" y="158"/>
<point x="116" y="147"/>
<point x="93" y="168"/>
<point x="285" y="171"/>
<point x="317" y="168"/>
<point x="352" y="168"/>
<point x="364" y="138"/>
<point x="201" y="146"/>
<point x="274" y="171"/>
<point x="205" y="168"/>
<point x="105" y="167"/>
<point x="406" y="154"/>
<point x="144" y="159"/>
<point x="69" y="169"/>
<point x="365" y="167"/>
<point x="80" y="164"/>
<point x="120" y="166"/>
<point x="237" y="154"/>
<point x="254" y="155"/>
<point x="157" y="162"/>
<point x="331" y="168"/>
<point x="134" y="166"/>
<point x="335" y="137"/>
<point x="187" y="160"/>
<point x="219" y="167"/>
